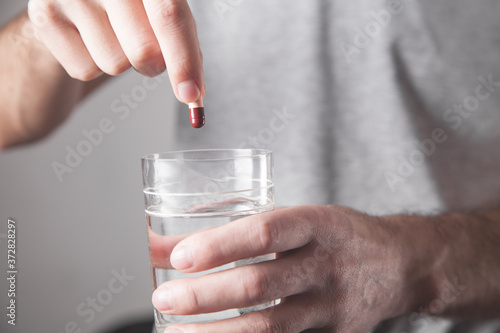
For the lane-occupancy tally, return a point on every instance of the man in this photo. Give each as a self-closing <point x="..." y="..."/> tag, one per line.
<point x="386" y="107"/>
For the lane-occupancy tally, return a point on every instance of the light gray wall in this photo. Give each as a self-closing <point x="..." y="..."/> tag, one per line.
<point x="73" y="233"/>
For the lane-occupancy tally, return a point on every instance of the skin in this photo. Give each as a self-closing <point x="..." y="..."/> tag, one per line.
<point x="337" y="270"/>
<point x="60" y="50"/>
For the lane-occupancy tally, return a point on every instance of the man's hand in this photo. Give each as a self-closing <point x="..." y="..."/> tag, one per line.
<point x="89" y="37"/>
<point x="337" y="271"/>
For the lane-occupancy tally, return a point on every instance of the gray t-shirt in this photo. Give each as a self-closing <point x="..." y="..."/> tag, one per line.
<point x="384" y="106"/>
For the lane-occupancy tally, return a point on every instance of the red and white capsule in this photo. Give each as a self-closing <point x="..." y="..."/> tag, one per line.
<point x="197" y="114"/>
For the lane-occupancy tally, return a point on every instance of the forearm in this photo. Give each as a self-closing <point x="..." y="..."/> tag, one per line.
<point x="453" y="263"/>
<point x="36" y="92"/>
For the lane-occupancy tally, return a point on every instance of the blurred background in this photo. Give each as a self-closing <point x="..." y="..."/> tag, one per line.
<point x="82" y="253"/>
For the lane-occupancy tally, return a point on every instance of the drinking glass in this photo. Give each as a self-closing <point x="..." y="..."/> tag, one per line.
<point x="187" y="191"/>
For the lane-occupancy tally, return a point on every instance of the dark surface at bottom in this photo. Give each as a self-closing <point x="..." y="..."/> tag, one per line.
<point x="139" y="326"/>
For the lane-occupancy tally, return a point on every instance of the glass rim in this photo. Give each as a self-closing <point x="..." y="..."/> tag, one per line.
<point x="252" y="152"/>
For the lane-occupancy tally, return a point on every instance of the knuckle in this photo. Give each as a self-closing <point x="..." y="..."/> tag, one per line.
<point x="266" y="324"/>
<point x="267" y="233"/>
<point x="257" y="285"/>
<point x="171" y="12"/>
<point x="191" y="300"/>
<point x="115" y="68"/>
<point x="112" y="63"/>
<point x="144" y="54"/>
<point x="210" y="251"/>
<point x="42" y="12"/>
<point x="306" y="227"/>
<point x="179" y="63"/>
<point x="84" y="74"/>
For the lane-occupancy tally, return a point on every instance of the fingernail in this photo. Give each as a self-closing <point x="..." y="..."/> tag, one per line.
<point x="162" y="299"/>
<point x="188" y="91"/>
<point x="181" y="258"/>
<point x="172" y="330"/>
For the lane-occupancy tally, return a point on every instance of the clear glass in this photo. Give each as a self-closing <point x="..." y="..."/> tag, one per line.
<point x="187" y="191"/>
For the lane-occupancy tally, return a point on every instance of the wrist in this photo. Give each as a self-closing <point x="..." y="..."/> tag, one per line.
<point x="418" y="255"/>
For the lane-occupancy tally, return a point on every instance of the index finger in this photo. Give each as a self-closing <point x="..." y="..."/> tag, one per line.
<point x="251" y="236"/>
<point x="175" y="29"/>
